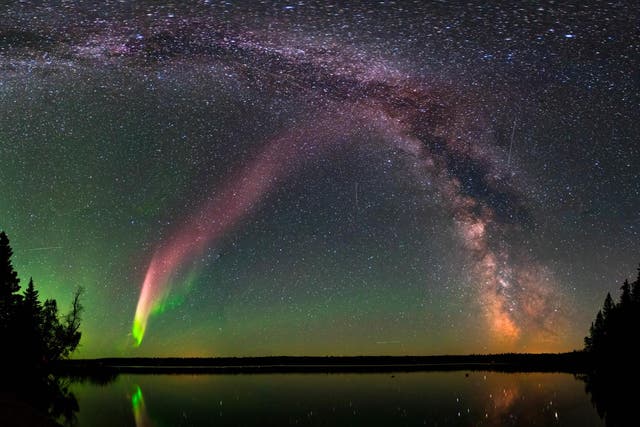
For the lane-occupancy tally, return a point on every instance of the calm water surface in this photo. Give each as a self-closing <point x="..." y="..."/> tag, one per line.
<point x="417" y="398"/>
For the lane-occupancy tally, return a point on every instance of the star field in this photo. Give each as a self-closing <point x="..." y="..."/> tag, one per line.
<point x="312" y="178"/>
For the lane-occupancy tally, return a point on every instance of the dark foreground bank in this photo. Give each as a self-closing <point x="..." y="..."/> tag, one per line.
<point x="574" y="362"/>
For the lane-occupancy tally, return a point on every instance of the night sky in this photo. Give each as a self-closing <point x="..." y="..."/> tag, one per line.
<point x="309" y="178"/>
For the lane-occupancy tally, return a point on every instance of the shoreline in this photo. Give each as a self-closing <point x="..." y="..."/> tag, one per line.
<point x="575" y="362"/>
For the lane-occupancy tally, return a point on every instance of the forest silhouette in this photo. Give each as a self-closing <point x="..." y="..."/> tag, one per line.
<point x="615" y="332"/>
<point x="34" y="336"/>
<point x="613" y="349"/>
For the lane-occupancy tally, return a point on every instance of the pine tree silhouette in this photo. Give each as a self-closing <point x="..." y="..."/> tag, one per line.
<point x="9" y="282"/>
<point x="614" y="336"/>
<point x="635" y="290"/>
<point x="9" y="301"/>
<point x="625" y="297"/>
<point x="32" y="334"/>
<point x="29" y="325"/>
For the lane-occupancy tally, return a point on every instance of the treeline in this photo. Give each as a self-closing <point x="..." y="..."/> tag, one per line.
<point x="574" y="362"/>
<point x="32" y="333"/>
<point x="615" y="332"/>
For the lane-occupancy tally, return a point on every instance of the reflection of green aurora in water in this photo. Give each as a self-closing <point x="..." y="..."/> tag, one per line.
<point x="139" y="409"/>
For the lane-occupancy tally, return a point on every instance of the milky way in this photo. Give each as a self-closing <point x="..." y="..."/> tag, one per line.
<point x="478" y="109"/>
<point x="419" y="117"/>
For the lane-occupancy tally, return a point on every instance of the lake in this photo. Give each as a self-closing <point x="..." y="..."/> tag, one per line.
<point x="458" y="398"/>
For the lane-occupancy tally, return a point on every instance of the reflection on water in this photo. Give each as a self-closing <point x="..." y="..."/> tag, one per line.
<point x="615" y="396"/>
<point x="34" y="398"/>
<point x="417" y="398"/>
<point x="139" y="410"/>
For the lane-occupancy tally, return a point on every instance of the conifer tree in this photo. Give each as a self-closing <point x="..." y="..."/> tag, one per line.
<point x="614" y="336"/>
<point x="625" y="297"/>
<point x="9" y="282"/>
<point x="9" y="302"/>
<point x="30" y="325"/>
<point x="598" y="331"/>
<point x="32" y="334"/>
<point x="607" y="308"/>
<point x="635" y="289"/>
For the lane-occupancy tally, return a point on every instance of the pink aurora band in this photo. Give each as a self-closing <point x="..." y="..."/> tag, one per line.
<point x="238" y="197"/>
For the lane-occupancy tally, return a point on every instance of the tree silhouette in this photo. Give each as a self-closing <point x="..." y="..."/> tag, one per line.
<point x="29" y="324"/>
<point x="33" y="333"/>
<point x="9" y="299"/>
<point x="614" y="336"/>
<point x="635" y="290"/>
<point x="625" y="298"/>
<point x="9" y="282"/>
<point x="608" y="307"/>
